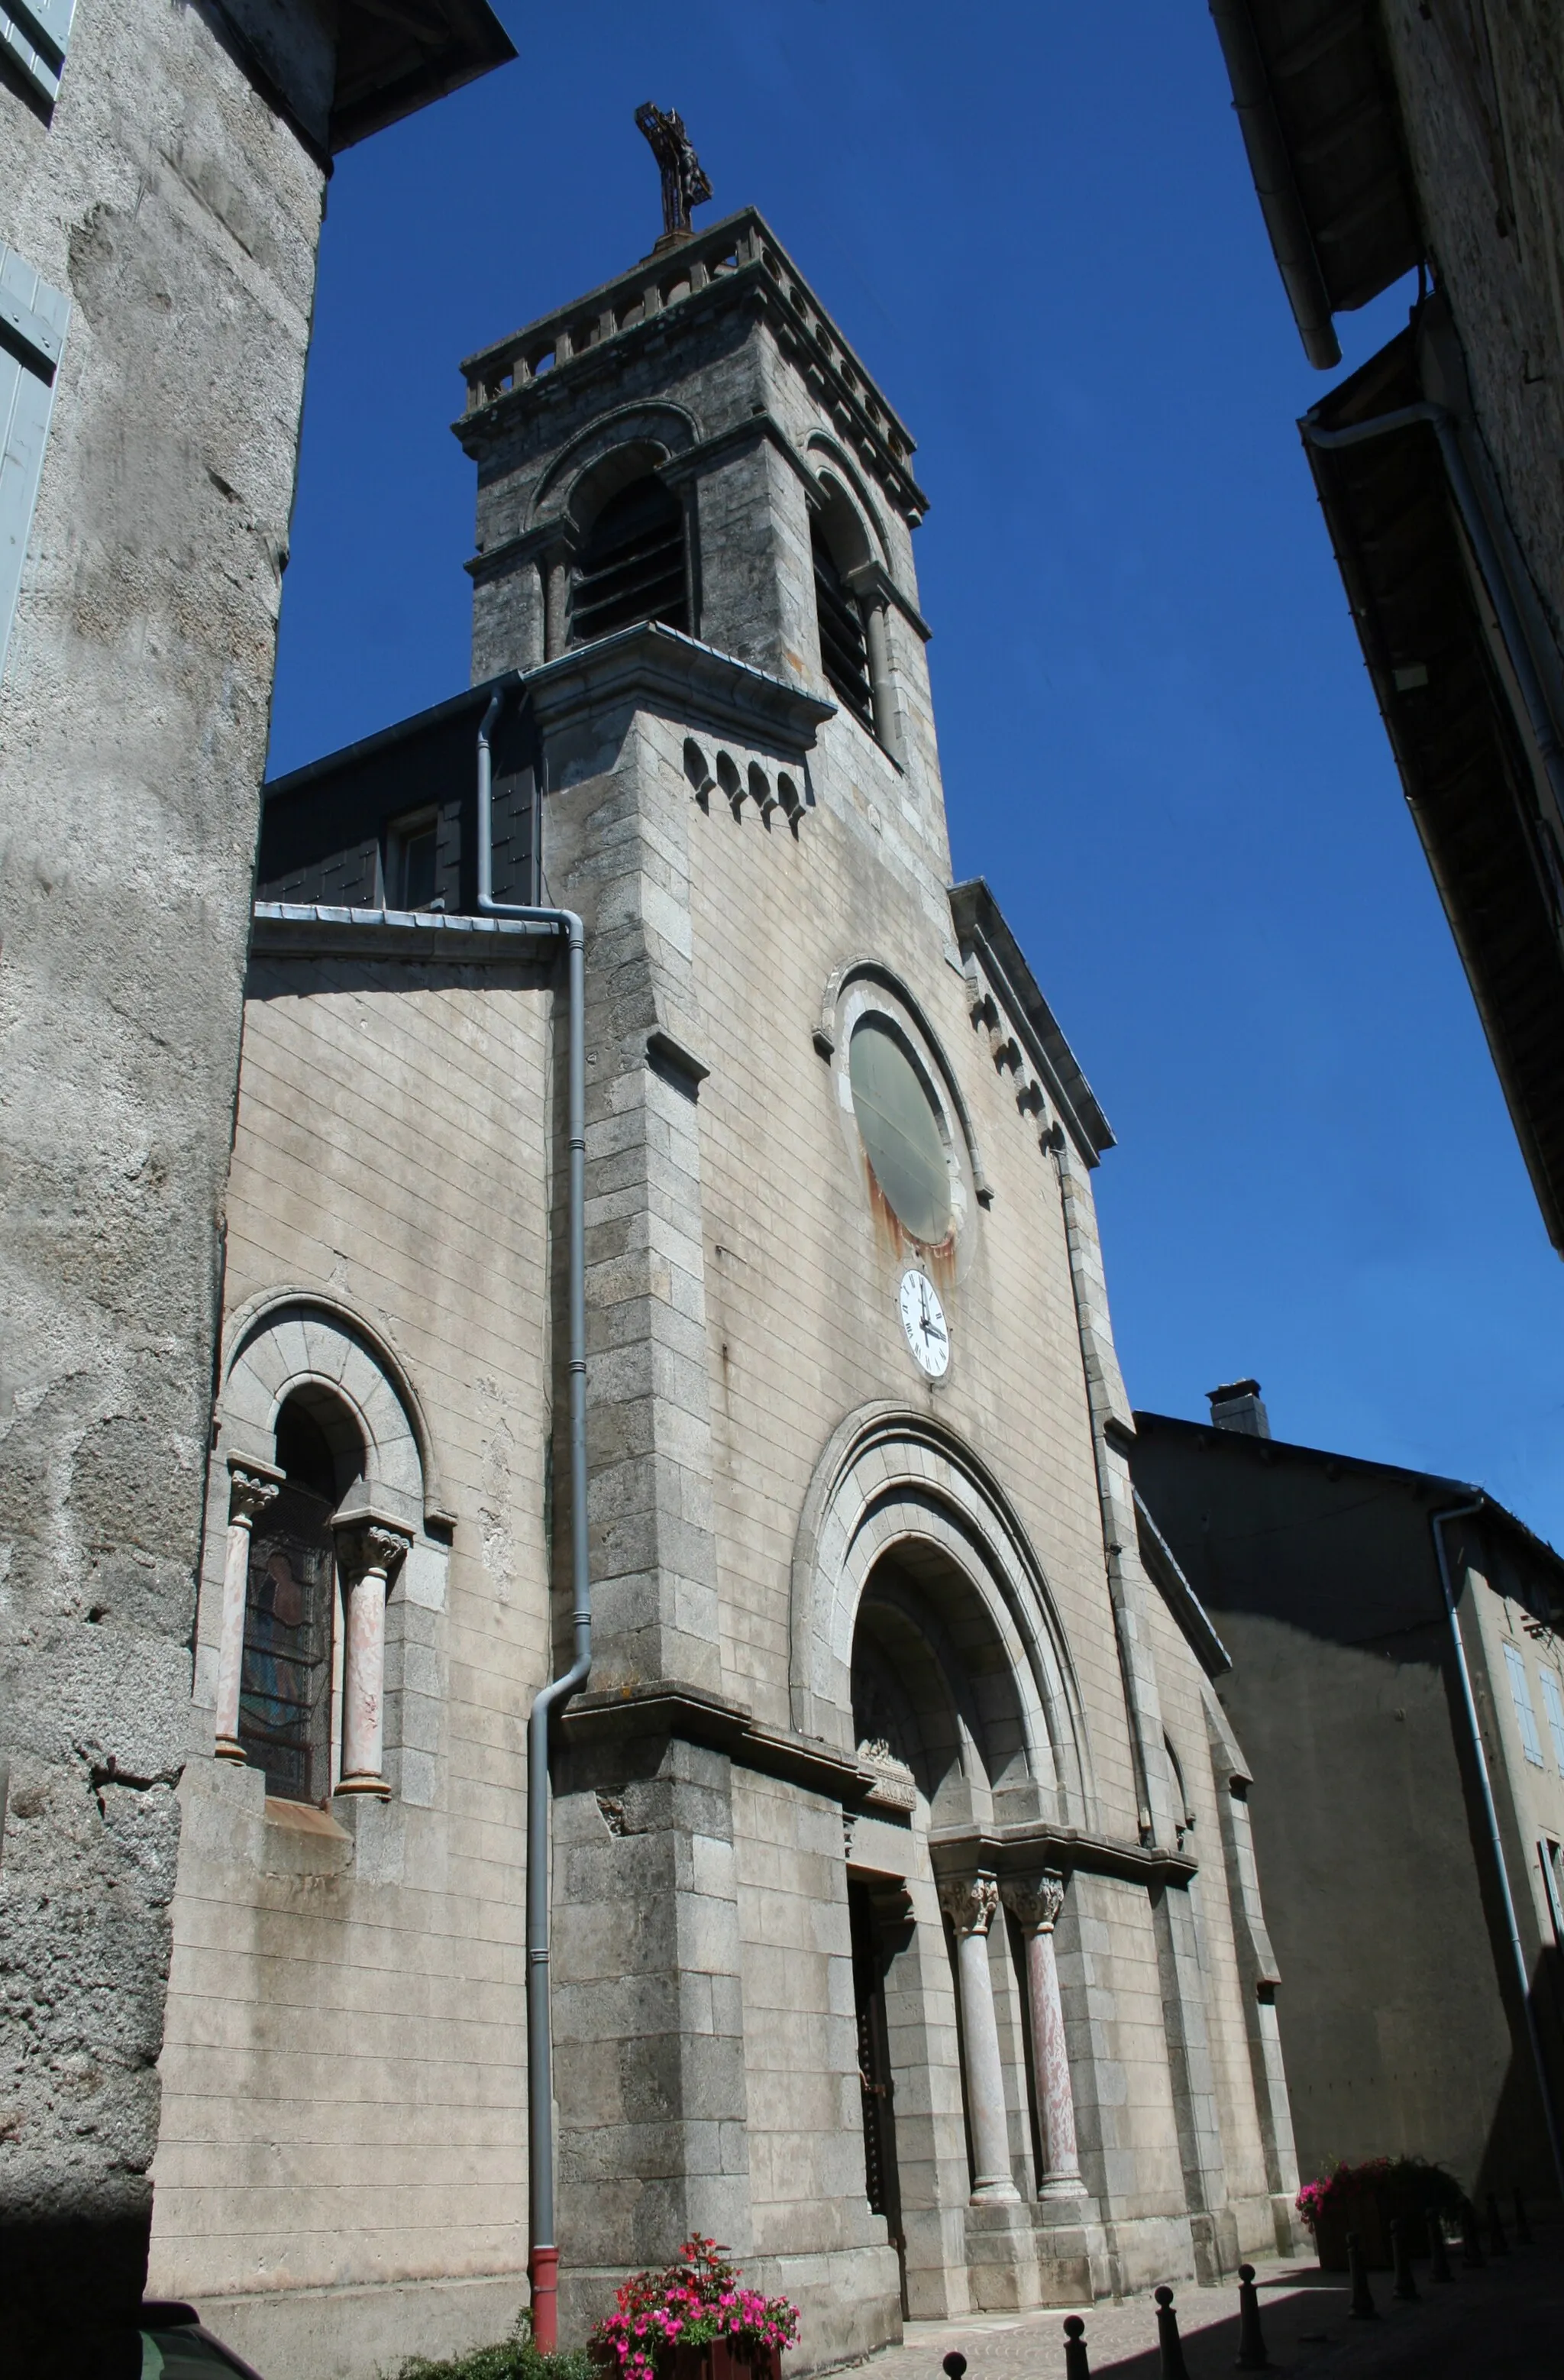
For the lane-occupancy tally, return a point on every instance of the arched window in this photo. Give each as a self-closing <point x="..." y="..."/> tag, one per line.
<point x="844" y="654"/>
<point x="285" y="1681"/>
<point x="631" y="564"/>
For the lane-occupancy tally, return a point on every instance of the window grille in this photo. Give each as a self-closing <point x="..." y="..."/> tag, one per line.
<point x="1553" y="1705"/>
<point x="1520" y="1692"/>
<point x="843" y="648"/>
<point x="632" y="564"/>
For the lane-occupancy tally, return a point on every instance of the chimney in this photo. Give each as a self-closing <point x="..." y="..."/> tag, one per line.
<point x="1238" y="1407"/>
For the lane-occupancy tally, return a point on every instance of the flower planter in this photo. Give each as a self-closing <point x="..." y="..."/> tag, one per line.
<point x="721" y="2362"/>
<point x="1359" y="2215"/>
<point x="647" y="2336"/>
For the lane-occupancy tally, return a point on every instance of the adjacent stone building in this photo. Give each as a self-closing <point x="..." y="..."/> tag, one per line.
<point x="1385" y="136"/>
<point x="906" y="1931"/>
<point x="1398" y="1683"/>
<point x="162" y="173"/>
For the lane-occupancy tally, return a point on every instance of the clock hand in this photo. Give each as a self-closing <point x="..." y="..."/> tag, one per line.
<point x="931" y="1327"/>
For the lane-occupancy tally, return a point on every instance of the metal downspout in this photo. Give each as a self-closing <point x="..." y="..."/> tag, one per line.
<point x="1545" y="734"/>
<point x="1436" y="1521"/>
<point x="543" y="2253"/>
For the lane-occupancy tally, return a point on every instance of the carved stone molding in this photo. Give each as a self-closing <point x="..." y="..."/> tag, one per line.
<point x="970" y="1903"/>
<point x="1034" y="1903"/>
<point x="249" y="1494"/>
<point x="364" y="1547"/>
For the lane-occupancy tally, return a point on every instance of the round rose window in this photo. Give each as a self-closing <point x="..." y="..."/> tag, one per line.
<point x="900" y="1131"/>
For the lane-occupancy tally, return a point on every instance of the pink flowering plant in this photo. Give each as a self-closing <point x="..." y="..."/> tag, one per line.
<point x="1403" y="2186"/>
<point x="698" y="2301"/>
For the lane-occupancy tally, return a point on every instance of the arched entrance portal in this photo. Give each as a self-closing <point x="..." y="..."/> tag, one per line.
<point x="926" y="1642"/>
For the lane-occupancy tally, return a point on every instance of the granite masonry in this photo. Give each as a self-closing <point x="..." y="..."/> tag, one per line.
<point x="163" y="174"/>
<point x="907" y="1934"/>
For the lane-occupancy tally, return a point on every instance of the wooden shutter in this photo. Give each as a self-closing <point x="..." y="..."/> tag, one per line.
<point x="32" y="327"/>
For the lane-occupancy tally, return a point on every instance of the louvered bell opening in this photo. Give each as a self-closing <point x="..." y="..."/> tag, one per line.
<point x="631" y="566"/>
<point x="843" y="652"/>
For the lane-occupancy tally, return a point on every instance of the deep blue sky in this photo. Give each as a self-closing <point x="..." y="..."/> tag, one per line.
<point x="1034" y="224"/>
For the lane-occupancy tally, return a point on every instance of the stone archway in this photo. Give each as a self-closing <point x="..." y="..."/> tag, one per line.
<point x="890" y="1478"/>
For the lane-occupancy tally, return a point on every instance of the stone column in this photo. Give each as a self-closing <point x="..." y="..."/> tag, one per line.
<point x="969" y="1903"/>
<point x="554" y="563"/>
<point x="880" y="692"/>
<point x="252" y="1488"/>
<point x="367" y="1556"/>
<point x="1035" y="1907"/>
<point x="868" y="584"/>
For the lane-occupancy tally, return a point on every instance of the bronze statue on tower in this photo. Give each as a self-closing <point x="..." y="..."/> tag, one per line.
<point x="684" y="185"/>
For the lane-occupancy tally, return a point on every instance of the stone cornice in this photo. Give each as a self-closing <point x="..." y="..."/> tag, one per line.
<point x="982" y="932"/>
<point x="665" y="1707"/>
<point x="588" y="337"/>
<point x="1161" y="1566"/>
<point x="1012" y="1851"/>
<point x="688" y="681"/>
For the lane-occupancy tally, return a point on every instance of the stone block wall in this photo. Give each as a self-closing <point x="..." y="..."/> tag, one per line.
<point x="180" y="216"/>
<point x="343" y="2070"/>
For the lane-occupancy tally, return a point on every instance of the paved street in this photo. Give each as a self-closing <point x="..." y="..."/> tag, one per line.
<point x="1505" y="2322"/>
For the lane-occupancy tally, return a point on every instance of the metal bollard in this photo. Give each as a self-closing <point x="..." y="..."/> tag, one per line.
<point x="1252" y="2356"/>
<point x="1522" y="2229"/>
<point x="1168" y="2339"/>
<point x="1362" y="2308"/>
<point x="1401" y="2257"/>
<point x="953" y="2365"/>
<point x="1076" y="2365"/>
<point x="1471" y="2241"/>
<point x="1497" y="2243"/>
<point x="1438" y="2254"/>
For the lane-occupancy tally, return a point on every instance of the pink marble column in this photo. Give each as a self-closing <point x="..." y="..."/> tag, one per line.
<point x="366" y="1556"/>
<point x="251" y="1488"/>
<point x="969" y="1903"/>
<point x="1036" y="1906"/>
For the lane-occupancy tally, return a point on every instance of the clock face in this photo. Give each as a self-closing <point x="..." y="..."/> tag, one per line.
<point x="923" y="1320"/>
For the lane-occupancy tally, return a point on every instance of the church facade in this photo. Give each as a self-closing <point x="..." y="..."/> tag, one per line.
<point x="905" y="1928"/>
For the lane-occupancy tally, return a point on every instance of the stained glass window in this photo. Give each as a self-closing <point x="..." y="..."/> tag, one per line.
<point x="286" y="1682"/>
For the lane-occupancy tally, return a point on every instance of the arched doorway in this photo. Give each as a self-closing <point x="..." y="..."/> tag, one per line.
<point x="926" y="1644"/>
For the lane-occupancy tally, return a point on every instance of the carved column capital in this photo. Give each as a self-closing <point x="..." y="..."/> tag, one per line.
<point x="969" y="1901"/>
<point x="250" y="1493"/>
<point x="1035" y="1901"/>
<point x="366" y="1546"/>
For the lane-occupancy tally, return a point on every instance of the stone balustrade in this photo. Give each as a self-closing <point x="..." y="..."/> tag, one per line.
<point x="739" y="244"/>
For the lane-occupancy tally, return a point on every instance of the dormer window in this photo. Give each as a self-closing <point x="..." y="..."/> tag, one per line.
<point x="412" y="862"/>
<point x="631" y="564"/>
<point x="844" y="655"/>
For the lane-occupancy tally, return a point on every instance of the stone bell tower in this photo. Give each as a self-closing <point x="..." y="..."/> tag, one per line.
<point x="714" y="457"/>
<point x="694" y="522"/>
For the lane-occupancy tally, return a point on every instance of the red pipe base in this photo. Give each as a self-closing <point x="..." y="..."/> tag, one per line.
<point x="543" y="2271"/>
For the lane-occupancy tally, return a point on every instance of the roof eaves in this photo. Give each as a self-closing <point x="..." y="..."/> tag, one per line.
<point x="393" y="59"/>
<point x="1320" y="115"/>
